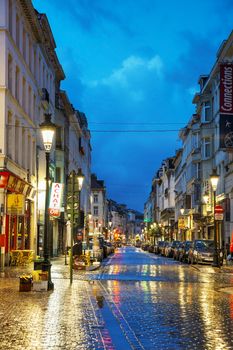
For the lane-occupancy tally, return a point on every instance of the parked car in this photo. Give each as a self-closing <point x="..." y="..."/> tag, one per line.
<point x="167" y="249"/>
<point x="159" y="246"/>
<point x="174" y="245"/>
<point x="162" y="251"/>
<point x="202" y="251"/>
<point x="177" y="249"/>
<point x="183" y="251"/>
<point x="145" y="246"/>
<point x="151" y="248"/>
<point x="108" y="249"/>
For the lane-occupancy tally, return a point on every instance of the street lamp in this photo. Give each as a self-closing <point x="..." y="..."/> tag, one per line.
<point x="214" y="178"/>
<point x="48" y="130"/>
<point x="182" y="210"/>
<point x="76" y="178"/>
<point x="80" y="178"/>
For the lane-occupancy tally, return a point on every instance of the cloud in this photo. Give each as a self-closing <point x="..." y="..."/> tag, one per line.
<point x="132" y="77"/>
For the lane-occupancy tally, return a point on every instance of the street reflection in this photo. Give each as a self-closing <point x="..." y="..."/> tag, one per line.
<point x="173" y="305"/>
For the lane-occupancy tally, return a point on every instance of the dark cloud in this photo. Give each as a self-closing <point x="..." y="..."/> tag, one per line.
<point x="90" y="14"/>
<point x="196" y="60"/>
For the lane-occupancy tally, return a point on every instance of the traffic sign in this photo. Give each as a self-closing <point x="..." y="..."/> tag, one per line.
<point x="218" y="209"/>
<point x="218" y="216"/>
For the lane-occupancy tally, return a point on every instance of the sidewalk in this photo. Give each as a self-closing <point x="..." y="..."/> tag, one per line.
<point x="60" y="269"/>
<point x="210" y="269"/>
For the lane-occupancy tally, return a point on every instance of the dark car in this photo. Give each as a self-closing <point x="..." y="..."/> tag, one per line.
<point x="174" y="245"/>
<point x="159" y="246"/>
<point x="151" y="248"/>
<point x="202" y="251"/>
<point x="177" y="250"/>
<point x="163" y="248"/>
<point x="167" y="250"/>
<point x="183" y="251"/>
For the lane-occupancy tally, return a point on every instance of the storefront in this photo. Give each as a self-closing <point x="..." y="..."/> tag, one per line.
<point x="17" y="208"/>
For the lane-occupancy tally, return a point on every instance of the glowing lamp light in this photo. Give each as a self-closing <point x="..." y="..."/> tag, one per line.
<point x="182" y="210"/>
<point x="214" y="177"/>
<point x="80" y="178"/>
<point x="48" y="130"/>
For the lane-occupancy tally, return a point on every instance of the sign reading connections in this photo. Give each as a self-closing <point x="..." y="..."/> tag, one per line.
<point x="226" y="106"/>
<point x="226" y="89"/>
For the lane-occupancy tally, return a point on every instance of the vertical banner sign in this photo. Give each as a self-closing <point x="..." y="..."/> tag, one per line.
<point x="226" y="131"/>
<point x="55" y="199"/>
<point x="226" y="89"/>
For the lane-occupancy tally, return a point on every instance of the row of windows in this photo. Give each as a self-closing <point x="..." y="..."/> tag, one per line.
<point x="20" y="145"/>
<point x="20" y="89"/>
<point x="24" y="42"/>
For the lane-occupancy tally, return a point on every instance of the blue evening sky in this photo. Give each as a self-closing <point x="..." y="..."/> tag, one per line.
<point x="134" y="65"/>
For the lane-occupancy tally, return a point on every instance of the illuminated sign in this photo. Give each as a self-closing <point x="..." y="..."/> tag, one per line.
<point x="15" y="204"/>
<point x="55" y="199"/>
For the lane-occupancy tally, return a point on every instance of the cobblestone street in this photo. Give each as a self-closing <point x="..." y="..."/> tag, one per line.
<point x="136" y="300"/>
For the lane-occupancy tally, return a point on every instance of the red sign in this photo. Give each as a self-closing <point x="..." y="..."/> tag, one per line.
<point x="54" y="212"/>
<point x="218" y="209"/>
<point x="4" y="179"/>
<point x="2" y="240"/>
<point x="226" y="89"/>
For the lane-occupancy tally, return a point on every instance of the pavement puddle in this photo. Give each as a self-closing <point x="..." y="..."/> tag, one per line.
<point x="112" y="325"/>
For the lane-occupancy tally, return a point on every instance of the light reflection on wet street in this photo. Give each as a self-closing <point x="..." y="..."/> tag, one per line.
<point x="166" y="304"/>
<point x="136" y="300"/>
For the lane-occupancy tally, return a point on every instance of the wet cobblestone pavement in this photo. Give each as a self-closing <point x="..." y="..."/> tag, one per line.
<point x="135" y="301"/>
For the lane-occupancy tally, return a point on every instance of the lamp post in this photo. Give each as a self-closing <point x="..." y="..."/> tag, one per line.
<point x="109" y="230"/>
<point x="79" y="177"/>
<point x="48" y="130"/>
<point x="214" y="177"/>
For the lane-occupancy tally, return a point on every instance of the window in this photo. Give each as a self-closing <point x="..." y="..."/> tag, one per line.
<point x="96" y="211"/>
<point x="59" y="137"/>
<point x="227" y="209"/>
<point x="58" y="175"/>
<point x="9" y="143"/>
<point x="29" y="106"/>
<point x="17" y="141"/>
<point x="195" y="140"/>
<point x="95" y="198"/>
<point x="24" y="95"/>
<point x="34" y="63"/>
<point x="24" y="44"/>
<point x="10" y="80"/>
<point x="206" y="147"/>
<point x="10" y="16"/>
<point x="17" y="32"/>
<point x="206" y="112"/>
<point x="17" y="83"/>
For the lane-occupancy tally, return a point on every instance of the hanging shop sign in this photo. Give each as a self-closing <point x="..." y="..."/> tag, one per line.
<point x="181" y="223"/>
<point x="13" y="183"/>
<point x="226" y="89"/>
<point x="56" y="199"/>
<point x="15" y="204"/>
